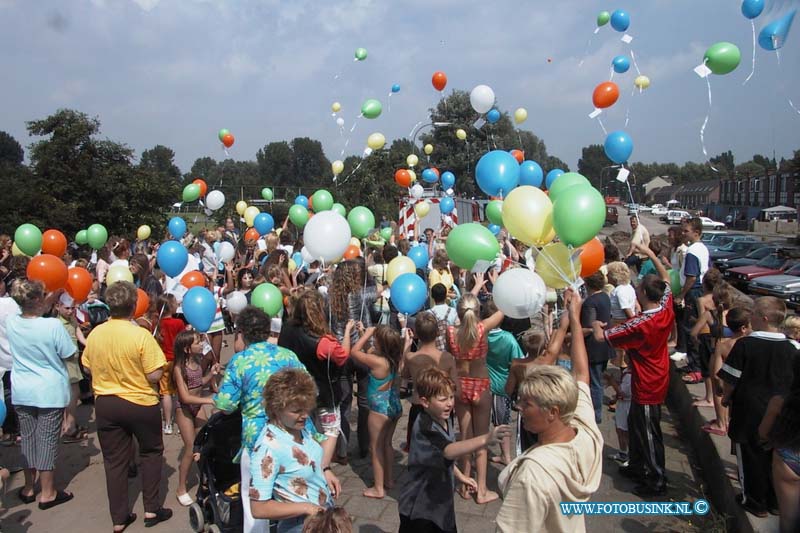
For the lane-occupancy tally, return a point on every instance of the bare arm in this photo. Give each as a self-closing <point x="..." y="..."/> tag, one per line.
<point x="511" y="382"/>
<point x="580" y="359"/>
<point x="463" y="447"/>
<point x="374" y="362"/>
<point x="155" y="375"/>
<point x="275" y="510"/>
<point x="557" y="340"/>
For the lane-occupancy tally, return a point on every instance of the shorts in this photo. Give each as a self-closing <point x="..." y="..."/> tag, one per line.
<point x="621" y="415"/>
<point x="166" y="385"/>
<point x="328" y="421"/>
<point x="705" y="345"/>
<point x="501" y="410"/>
<point x="472" y="388"/>
<point x="73" y="369"/>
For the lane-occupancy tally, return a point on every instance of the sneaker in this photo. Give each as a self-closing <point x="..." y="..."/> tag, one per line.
<point x="678" y="356"/>
<point x="167" y="429"/>
<point x="619" y="457"/>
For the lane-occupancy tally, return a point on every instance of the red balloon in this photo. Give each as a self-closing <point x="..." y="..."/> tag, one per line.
<point x="439" y="80"/>
<point x="202" y="185"/>
<point x="605" y="95"/>
<point x="402" y="177"/>
<point x="54" y="243"/>
<point x="251" y="234"/>
<point x="352" y="252"/>
<point x="227" y="140"/>
<point x="48" y="269"/>
<point x="592" y="257"/>
<point x="436" y="171"/>
<point x="79" y="283"/>
<point x="519" y="155"/>
<point x="142" y="303"/>
<point x="193" y="278"/>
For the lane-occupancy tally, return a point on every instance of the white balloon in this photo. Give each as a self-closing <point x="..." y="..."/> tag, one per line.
<point x="482" y="98"/>
<point x="519" y="293"/>
<point x="225" y="252"/>
<point x="327" y="236"/>
<point x="237" y="301"/>
<point x="417" y="191"/>
<point x="340" y="122"/>
<point x="306" y="255"/>
<point x="215" y="200"/>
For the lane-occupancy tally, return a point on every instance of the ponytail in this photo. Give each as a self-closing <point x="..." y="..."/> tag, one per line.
<point x="467" y="336"/>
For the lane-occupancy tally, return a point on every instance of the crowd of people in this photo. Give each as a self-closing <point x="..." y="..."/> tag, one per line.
<point x="340" y="345"/>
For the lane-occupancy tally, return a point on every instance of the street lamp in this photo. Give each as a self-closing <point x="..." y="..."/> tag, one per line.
<point x="418" y="129"/>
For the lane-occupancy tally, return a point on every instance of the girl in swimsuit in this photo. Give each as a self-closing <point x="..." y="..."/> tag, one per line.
<point x="383" y="398"/>
<point x="189" y="382"/>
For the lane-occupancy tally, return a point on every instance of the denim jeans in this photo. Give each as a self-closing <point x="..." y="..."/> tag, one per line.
<point x="596" y="387"/>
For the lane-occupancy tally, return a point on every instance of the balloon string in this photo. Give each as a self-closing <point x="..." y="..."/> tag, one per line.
<point x="552" y="263"/>
<point x="611" y="76"/>
<point x="627" y="115"/>
<point x="602" y="127"/>
<point x="635" y="65"/>
<point x="353" y="171"/>
<point x="519" y="138"/>
<point x="355" y="123"/>
<point x="705" y="123"/>
<point x="586" y="48"/>
<point x="782" y="84"/>
<point x="389" y="101"/>
<point x="753" y="68"/>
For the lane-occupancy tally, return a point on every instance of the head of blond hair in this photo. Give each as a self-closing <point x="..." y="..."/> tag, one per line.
<point x="618" y="273"/>
<point x="469" y="312"/>
<point x="551" y="387"/>
<point x="28" y="294"/>
<point x="287" y="388"/>
<point x="791" y="327"/>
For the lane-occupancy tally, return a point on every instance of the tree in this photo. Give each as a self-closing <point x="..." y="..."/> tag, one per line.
<point x="310" y="163"/>
<point x="276" y="163"/>
<point x="161" y="160"/>
<point x="10" y="150"/>
<point x="724" y="163"/>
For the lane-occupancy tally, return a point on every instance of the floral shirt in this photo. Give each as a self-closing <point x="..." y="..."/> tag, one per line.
<point x="285" y="470"/>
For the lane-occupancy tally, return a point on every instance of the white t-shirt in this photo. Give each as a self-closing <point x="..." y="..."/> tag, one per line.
<point x="699" y="250"/>
<point x="8" y="308"/>
<point x="622" y="297"/>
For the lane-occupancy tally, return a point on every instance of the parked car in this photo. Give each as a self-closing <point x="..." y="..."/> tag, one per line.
<point x="659" y="211"/>
<point x="773" y="264"/>
<point x="734" y="250"/>
<point x="723" y="240"/>
<point x="794" y="301"/>
<point x="645" y="208"/>
<point x="612" y="215"/>
<point x="708" y="237"/>
<point x="675" y="217"/>
<point x="782" y="285"/>
<point x="750" y="259"/>
<point x="711" y="224"/>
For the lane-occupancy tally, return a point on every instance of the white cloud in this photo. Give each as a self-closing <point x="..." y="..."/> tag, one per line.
<point x="147" y="5"/>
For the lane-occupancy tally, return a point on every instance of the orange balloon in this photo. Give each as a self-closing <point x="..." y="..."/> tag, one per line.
<point x="251" y="234"/>
<point x="605" y="95"/>
<point x="228" y="140"/>
<point x="202" y="185"/>
<point x="439" y="80"/>
<point x="48" y="269"/>
<point x="436" y="171"/>
<point x="592" y="257"/>
<point x="352" y="252"/>
<point x="519" y="155"/>
<point x="54" y="243"/>
<point x="142" y="303"/>
<point x="402" y="177"/>
<point x="79" y="283"/>
<point x="193" y="278"/>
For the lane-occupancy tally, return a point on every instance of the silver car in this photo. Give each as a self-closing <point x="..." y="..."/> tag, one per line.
<point x="782" y="285"/>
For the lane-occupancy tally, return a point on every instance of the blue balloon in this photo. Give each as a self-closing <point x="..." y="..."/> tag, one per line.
<point x="2" y="412"/>
<point x="774" y="34"/>
<point x="446" y="205"/>
<point x="177" y="227"/>
<point x="530" y="173"/>
<point x="621" y="64"/>
<point x="301" y="199"/>
<point x="492" y="116"/>
<point x="172" y="258"/>
<point x="494" y="228"/>
<point x="263" y="223"/>
<point x="396" y="88"/>
<point x="497" y="173"/>
<point x="620" y="20"/>
<point x="429" y="176"/>
<point x="419" y="254"/>
<point x="448" y="180"/>
<point x="408" y="293"/>
<point x="618" y="146"/>
<point x="752" y="8"/>
<point x="553" y="176"/>
<point x="199" y="308"/>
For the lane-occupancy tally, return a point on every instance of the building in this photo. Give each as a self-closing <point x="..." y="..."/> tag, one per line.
<point x="656" y="183"/>
<point x="698" y="195"/>
<point x="777" y="188"/>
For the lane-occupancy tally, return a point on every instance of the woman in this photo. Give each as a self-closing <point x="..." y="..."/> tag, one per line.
<point x="126" y="363"/>
<point x="39" y="388"/>
<point x="439" y="272"/>
<point x="143" y="277"/>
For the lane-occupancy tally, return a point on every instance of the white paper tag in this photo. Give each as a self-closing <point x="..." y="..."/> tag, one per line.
<point x="595" y="113"/>
<point x="702" y="70"/>
<point x="596" y="31"/>
<point x="626" y="39"/>
<point x="481" y="266"/>
<point x="623" y="174"/>
<point x="206" y="348"/>
<point x="478" y="123"/>
<point x="262" y="244"/>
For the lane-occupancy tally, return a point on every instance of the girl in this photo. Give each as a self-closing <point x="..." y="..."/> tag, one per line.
<point x="189" y="382"/>
<point x="383" y="400"/>
<point x="167" y="331"/>
<point x="701" y="335"/>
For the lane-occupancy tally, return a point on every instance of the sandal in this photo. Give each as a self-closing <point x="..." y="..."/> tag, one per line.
<point x="162" y="515"/>
<point x="128" y="521"/>
<point x="61" y="497"/>
<point x="693" y="378"/>
<point x="26" y="499"/>
<point x="708" y="428"/>
<point x="184" y="499"/>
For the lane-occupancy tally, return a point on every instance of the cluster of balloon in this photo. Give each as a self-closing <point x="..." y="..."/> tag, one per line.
<point x="241" y="206"/>
<point x="468" y="243"/>
<point x="430" y="175"/>
<point x="519" y="293"/>
<point x="439" y="80"/>
<point x="497" y="173"/>
<point x="402" y="177"/>
<point x="618" y="146"/>
<point x="176" y="227"/>
<point x="482" y="99"/>
<point x="527" y="214"/>
<point x="226" y="137"/>
<point x="558" y="265"/>
<point x="530" y="173"/>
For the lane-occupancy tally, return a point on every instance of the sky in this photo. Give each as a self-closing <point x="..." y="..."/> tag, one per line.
<point x="174" y="72"/>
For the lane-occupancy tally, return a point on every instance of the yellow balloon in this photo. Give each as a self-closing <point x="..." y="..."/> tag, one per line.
<point x="412" y="160"/>
<point x="16" y="252"/>
<point x="250" y="215"/>
<point x="413" y="175"/>
<point x="336" y="107"/>
<point x="428" y="149"/>
<point x="558" y="266"/>
<point x="291" y="265"/>
<point x="355" y="242"/>
<point x="241" y="205"/>
<point x="143" y="232"/>
<point x="118" y="273"/>
<point x="461" y="134"/>
<point x="528" y="215"/>
<point x="337" y="167"/>
<point x="520" y="115"/>
<point x="397" y="266"/>
<point x="642" y="82"/>
<point x="422" y="209"/>
<point x="376" y="141"/>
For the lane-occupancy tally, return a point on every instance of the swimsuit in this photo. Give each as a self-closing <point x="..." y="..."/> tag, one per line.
<point x="471" y="388"/>
<point x="385" y="402"/>
<point x="194" y="380"/>
<point x="791" y="458"/>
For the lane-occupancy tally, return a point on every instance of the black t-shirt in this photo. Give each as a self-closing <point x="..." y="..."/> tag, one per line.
<point x="296" y="338"/>
<point x="596" y="307"/>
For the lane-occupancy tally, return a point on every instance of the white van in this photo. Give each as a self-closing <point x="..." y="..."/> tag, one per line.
<point x="675" y="217"/>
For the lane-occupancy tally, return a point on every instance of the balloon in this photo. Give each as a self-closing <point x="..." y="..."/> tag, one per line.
<point x="118" y="273"/>
<point x="494" y="212"/>
<point x="28" y="239"/>
<point x="142" y="303"/>
<point x="497" y="173"/>
<point x="336" y="107"/>
<point x="603" y="17"/>
<point x="564" y="182"/>
<point x="241" y="205"/>
<point x="82" y="237"/>
<point x="322" y="200"/>
<point x="421" y="209"/>
<point x="298" y="215"/>
<point x="774" y="34"/>
<point x="193" y="278"/>
<point x="237" y="301"/>
<point x="386" y="233"/>
<point x="579" y="213"/>
<point x="352" y="252"/>
<point x="371" y="108"/>
<point x="413" y="175"/>
<point x="172" y="257"/>
<point x="494" y="228"/>
<point x="557" y="266"/>
<point x="251" y="234"/>
<point x="398" y="266"/>
<point x="642" y="82"/>
<point x="593" y="256"/>
<point x="339" y="208"/>
<point x="361" y="54"/>
<point x="396" y="88"/>
<point x="222" y="133"/>
<point x="446" y="205"/>
<point x="412" y="160"/>
<point x="439" y="80"/>
<point x="429" y="176"/>
<point x="50" y="270"/>
<point x="337" y="167"/>
<point x="79" y="283"/>
<point x="530" y="173"/>
<point x="468" y="243"/>
<point x="376" y="141"/>
<point x="361" y="221"/>
<point x="620" y="20"/>
<point x="722" y="58"/>
<point x="54" y="243"/>
<point x="605" y="95"/>
<point x="301" y="199"/>
<point x="448" y="179"/>
<point x="250" y="215"/>
<point x="416" y="191"/>
<point x="461" y="134"/>
<point x="191" y="192"/>
<point x="553" y="176"/>
<point x="618" y="146"/>
<point x="520" y="115"/>
<point x="340" y="122"/>
<point x="327" y="236"/>
<point x="225" y="252"/>
<point x="402" y="177"/>
<point x="419" y="255"/>
<point x="492" y="116"/>
<point x="97" y="235"/>
<point x="528" y="215"/>
<point x="519" y="293"/>
<point x="621" y="64"/>
<point x="228" y="140"/>
<point x="428" y="149"/>
<point x="266" y="194"/>
<point x="263" y="223"/>
<point x="176" y="227"/>
<point x="675" y="281"/>
<point x="199" y="308"/>
<point x="409" y="293"/>
<point x="144" y="232"/>
<point x="481" y="98"/>
<point x="203" y="187"/>
<point x="519" y="155"/>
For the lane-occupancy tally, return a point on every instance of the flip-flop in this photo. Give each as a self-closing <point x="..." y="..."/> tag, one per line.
<point x="128" y="521"/>
<point x="716" y="431"/>
<point x="184" y="499"/>
<point x="61" y="497"/>
<point x="26" y="499"/>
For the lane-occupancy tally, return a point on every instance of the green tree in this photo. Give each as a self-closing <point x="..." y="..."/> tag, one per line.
<point x="724" y="163"/>
<point x="10" y="150"/>
<point x="310" y="164"/>
<point x="276" y="164"/>
<point x="161" y="160"/>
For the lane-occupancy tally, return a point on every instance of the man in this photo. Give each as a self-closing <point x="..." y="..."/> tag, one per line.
<point x="695" y="266"/>
<point x="639" y="237"/>
<point x="231" y="233"/>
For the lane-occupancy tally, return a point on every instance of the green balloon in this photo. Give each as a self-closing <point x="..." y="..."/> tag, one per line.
<point x="371" y="108"/>
<point x="222" y="133"/>
<point x="675" y="281"/>
<point x="96" y="235"/>
<point x="361" y="54"/>
<point x="603" y="17"/>
<point x="578" y="214"/>
<point x="386" y="233"/>
<point x="82" y="237"/>
<point x="322" y="201"/>
<point x="338" y="208"/>
<point x="266" y="194"/>
<point x="468" y="243"/>
<point x="268" y="298"/>
<point x="191" y="192"/>
<point x="298" y="215"/>
<point x="28" y="239"/>
<point x="564" y="182"/>
<point x="361" y="220"/>
<point x="722" y="58"/>
<point x="494" y="212"/>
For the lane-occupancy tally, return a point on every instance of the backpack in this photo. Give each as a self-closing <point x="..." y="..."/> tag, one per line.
<point x="441" y="326"/>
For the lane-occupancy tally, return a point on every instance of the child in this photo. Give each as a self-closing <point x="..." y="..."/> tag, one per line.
<point x="70" y="430"/>
<point x="383" y="399"/>
<point x="702" y="337"/>
<point x="622" y="388"/>
<point x="189" y="382"/>
<point x="623" y="298"/>
<point x="426" y="499"/>
<point x="791" y="327"/>
<point x="166" y="332"/>
<point x="331" y="520"/>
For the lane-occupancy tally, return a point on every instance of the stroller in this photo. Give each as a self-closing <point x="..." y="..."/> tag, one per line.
<point x="218" y="508"/>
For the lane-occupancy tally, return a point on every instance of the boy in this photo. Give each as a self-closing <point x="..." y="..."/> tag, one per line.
<point x="426" y="499"/>
<point x="445" y="315"/>
<point x="758" y="367"/>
